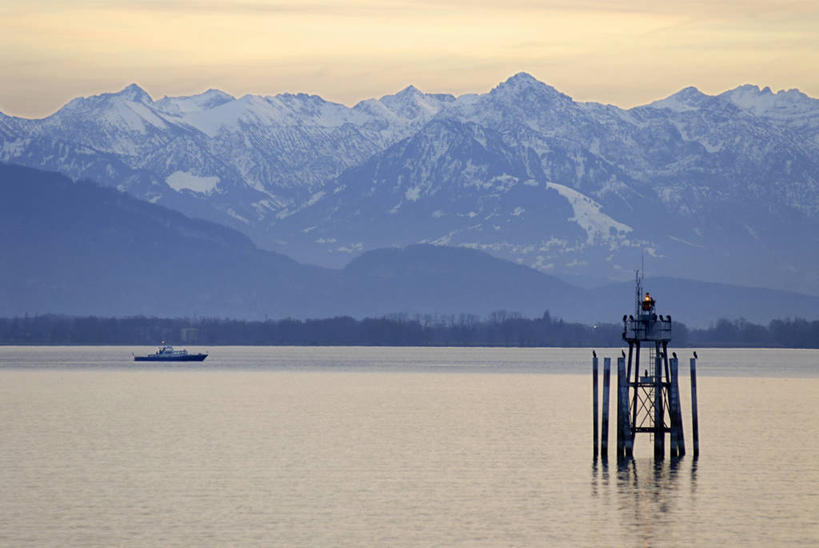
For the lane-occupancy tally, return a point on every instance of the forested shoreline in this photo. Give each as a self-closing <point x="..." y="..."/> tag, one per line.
<point x="499" y="329"/>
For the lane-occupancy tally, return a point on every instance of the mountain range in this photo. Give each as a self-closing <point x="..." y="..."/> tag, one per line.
<point x="80" y="249"/>
<point x="720" y="188"/>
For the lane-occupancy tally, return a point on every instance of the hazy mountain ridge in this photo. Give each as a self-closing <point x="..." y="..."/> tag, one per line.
<point x="720" y="187"/>
<point x="79" y="249"/>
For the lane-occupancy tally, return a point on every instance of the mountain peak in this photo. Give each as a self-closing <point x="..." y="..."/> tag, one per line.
<point x="409" y="90"/>
<point x="214" y="93"/>
<point x="133" y="92"/>
<point x="688" y="98"/>
<point x="523" y="82"/>
<point x="412" y="103"/>
<point x="206" y="100"/>
<point x="761" y="101"/>
<point x="521" y="78"/>
<point x="752" y="89"/>
<point x="690" y="93"/>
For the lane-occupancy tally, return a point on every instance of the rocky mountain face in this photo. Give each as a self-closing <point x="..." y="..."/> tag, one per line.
<point x="721" y="188"/>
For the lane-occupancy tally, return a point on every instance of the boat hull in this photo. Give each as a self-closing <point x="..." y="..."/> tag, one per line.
<point x="188" y="358"/>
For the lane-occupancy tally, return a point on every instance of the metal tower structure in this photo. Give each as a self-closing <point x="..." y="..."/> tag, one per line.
<point x="648" y="401"/>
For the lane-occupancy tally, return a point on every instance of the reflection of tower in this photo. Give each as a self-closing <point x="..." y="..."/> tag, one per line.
<point x="648" y="401"/>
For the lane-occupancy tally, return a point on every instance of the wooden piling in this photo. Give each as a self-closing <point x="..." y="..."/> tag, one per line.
<point x="659" y="429"/>
<point x="620" y="418"/>
<point x="623" y="429"/>
<point x="594" y="404"/>
<point x="694" y="422"/>
<point x="628" y="436"/>
<point x="604" y="441"/>
<point x="636" y="382"/>
<point x="677" y="449"/>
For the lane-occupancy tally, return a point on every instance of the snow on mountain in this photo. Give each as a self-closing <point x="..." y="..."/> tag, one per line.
<point x="791" y="108"/>
<point x="693" y="180"/>
<point x="180" y="106"/>
<point x="687" y="99"/>
<point x="270" y="154"/>
<point x="587" y="214"/>
<point x="723" y="186"/>
<point x="783" y="104"/>
<point x="412" y="104"/>
<point x="182" y="180"/>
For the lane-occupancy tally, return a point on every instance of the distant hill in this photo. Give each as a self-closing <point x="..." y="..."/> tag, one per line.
<point x="700" y="303"/>
<point x="426" y="279"/>
<point x="76" y="248"/>
<point x="79" y="249"/>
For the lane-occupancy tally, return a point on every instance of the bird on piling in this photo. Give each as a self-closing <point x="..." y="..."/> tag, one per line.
<point x="594" y="354"/>
<point x="695" y="356"/>
<point x="674" y="354"/>
<point x="622" y="354"/>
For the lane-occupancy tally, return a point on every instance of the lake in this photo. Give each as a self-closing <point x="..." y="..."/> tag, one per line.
<point x="322" y="446"/>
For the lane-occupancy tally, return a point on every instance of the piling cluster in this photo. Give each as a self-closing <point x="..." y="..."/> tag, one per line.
<point x="643" y="405"/>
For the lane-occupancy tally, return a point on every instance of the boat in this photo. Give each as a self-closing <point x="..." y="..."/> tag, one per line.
<point x="166" y="353"/>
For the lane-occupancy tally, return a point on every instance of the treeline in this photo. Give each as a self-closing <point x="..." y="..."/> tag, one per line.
<point x="791" y="333"/>
<point x="499" y="329"/>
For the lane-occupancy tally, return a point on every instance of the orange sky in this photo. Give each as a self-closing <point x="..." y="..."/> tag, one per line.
<point x="349" y="50"/>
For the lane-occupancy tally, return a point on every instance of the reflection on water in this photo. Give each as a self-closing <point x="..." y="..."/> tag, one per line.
<point x="648" y="495"/>
<point x="658" y="479"/>
<point x="385" y="447"/>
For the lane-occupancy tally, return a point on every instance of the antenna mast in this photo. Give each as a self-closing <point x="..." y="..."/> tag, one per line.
<point x="638" y="292"/>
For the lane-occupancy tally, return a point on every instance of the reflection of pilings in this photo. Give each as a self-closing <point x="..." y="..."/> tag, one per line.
<point x="594" y="403"/>
<point x="694" y="422"/>
<point x="604" y="442"/>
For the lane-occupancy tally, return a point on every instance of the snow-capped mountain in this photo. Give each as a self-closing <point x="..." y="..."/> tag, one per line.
<point x="721" y="187"/>
<point x="706" y="188"/>
<point x="790" y="108"/>
<point x="243" y="161"/>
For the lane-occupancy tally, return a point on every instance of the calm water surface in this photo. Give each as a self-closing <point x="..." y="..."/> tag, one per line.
<point x="392" y="447"/>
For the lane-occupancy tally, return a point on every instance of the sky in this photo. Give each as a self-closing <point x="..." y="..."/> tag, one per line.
<point x="624" y="53"/>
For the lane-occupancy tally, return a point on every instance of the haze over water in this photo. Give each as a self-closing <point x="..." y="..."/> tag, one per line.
<point x="392" y="446"/>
